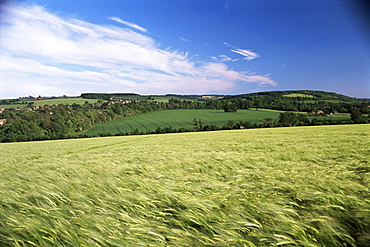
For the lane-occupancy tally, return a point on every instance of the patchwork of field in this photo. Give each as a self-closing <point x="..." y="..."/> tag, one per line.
<point x="301" y="186"/>
<point x="179" y="119"/>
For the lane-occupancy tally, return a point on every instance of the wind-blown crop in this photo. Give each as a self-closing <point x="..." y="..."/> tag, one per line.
<point x="303" y="186"/>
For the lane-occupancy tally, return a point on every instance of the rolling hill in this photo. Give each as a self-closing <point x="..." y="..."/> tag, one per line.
<point x="183" y="120"/>
<point x="30" y="119"/>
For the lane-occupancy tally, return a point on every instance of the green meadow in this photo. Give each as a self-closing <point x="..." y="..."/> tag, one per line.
<point x="300" y="186"/>
<point x="10" y="106"/>
<point x="179" y="119"/>
<point x="295" y="95"/>
<point x="50" y="101"/>
<point x="65" y="101"/>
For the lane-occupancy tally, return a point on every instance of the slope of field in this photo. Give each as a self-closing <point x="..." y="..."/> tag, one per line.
<point x="58" y="101"/>
<point x="296" y="95"/>
<point x="50" y="102"/>
<point x="179" y="119"/>
<point x="302" y="186"/>
<point x="10" y="106"/>
<point x="185" y="119"/>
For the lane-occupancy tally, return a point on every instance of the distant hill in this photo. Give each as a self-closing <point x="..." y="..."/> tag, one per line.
<point x="42" y="118"/>
<point x="293" y="94"/>
<point x="300" y="95"/>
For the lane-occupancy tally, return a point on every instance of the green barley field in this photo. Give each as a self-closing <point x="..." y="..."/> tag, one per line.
<point x="301" y="186"/>
<point x="178" y="119"/>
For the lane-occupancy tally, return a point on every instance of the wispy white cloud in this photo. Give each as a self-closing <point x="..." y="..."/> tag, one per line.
<point x="248" y="55"/>
<point x="43" y="53"/>
<point x="223" y="59"/>
<point x="185" y="40"/>
<point x="133" y="25"/>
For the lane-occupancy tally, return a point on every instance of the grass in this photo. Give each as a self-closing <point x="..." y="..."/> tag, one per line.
<point x="179" y="119"/>
<point x="11" y="106"/>
<point x="339" y="116"/>
<point x="295" y="95"/>
<point x="184" y="119"/>
<point x="56" y="101"/>
<point x="302" y="186"/>
<point x="336" y="116"/>
<point x="271" y="110"/>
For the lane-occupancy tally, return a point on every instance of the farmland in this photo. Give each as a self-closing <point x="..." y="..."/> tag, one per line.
<point x="7" y="106"/>
<point x="301" y="186"/>
<point x="298" y="95"/>
<point x="178" y="119"/>
<point x="49" y="101"/>
<point x="102" y="114"/>
<point x="58" y="101"/>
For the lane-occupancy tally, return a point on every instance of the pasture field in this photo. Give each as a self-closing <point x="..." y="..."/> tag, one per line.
<point x="295" y="95"/>
<point x="10" y="106"/>
<point x="300" y="186"/>
<point x="179" y="119"/>
<point x="336" y="116"/>
<point x="57" y="101"/>
<point x="163" y="99"/>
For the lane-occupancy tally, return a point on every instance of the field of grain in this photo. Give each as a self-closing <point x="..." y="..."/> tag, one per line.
<point x="179" y="119"/>
<point x="302" y="186"/>
<point x="301" y="95"/>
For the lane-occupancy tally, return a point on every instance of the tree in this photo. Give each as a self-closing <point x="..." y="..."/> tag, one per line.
<point x="230" y="124"/>
<point x="303" y="119"/>
<point x="287" y="119"/>
<point x="198" y="125"/>
<point x="230" y="107"/>
<point x="267" y="122"/>
<point x="357" y="117"/>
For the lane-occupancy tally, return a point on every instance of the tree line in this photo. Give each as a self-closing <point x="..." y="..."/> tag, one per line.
<point x="69" y="121"/>
<point x="64" y="121"/>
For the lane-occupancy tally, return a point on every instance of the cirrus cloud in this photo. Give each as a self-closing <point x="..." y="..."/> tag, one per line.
<point x="248" y="55"/>
<point x="133" y="25"/>
<point x="43" y="53"/>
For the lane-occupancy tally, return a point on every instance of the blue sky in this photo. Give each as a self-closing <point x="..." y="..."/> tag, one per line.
<point x="69" y="47"/>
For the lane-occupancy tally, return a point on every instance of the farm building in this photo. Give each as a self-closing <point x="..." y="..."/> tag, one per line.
<point x="317" y="113"/>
